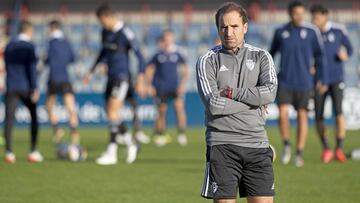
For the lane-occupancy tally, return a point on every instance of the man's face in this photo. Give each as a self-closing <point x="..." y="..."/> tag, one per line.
<point x="231" y="30"/>
<point x="319" y="19"/>
<point x="168" y="39"/>
<point x="106" y="21"/>
<point x="297" y="15"/>
<point x="30" y="32"/>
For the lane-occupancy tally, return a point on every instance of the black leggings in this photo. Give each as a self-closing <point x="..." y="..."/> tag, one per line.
<point x="11" y="100"/>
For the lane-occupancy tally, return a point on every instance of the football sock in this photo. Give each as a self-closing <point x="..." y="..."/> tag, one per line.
<point x="55" y="127"/>
<point x="122" y="128"/>
<point x="324" y="142"/>
<point x="286" y="142"/>
<point x="299" y="152"/>
<point x="114" y="130"/>
<point x="34" y="134"/>
<point x="75" y="136"/>
<point x="112" y="148"/>
<point x="181" y="131"/>
<point x="339" y="142"/>
<point x="159" y="132"/>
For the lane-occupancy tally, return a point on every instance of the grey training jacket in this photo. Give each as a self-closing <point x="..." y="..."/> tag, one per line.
<point x="240" y="120"/>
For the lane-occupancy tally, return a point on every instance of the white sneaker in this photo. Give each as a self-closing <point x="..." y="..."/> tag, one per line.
<point x="286" y="155"/>
<point x="142" y="137"/>
<point x="162" y="140"/>
<point x="35" y="157"/>
<point x="10" y="158"/>
<point x="298" y="161"/>
<point x="182" y="139"/>
<point x="109" y="157"/>
<point x="74" y="154"/>
<point x="132" y="151"/>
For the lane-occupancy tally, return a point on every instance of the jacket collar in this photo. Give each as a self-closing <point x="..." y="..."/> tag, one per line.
<point x="57" y="34"/>
<point x="24" y="37"/>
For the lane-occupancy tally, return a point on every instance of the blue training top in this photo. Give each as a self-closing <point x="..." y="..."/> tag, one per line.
<point x="20" y="65"/>
<point x="115" y="52"/>
<point x="166" y="73"/>
<point x="300" y="48"/>
<point x="59" y="56"/>
<point x="334" y="38"/>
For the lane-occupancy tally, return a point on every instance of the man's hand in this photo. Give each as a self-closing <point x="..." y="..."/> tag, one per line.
<point x="140" y="86"/>
<point x="321" y="88"/>
<point x="342" y="54"/>
<point x="35" y="96"/>
<point x="227" y="92"/>
<point x="87" y="78"/>
<point x="312" y="70"/>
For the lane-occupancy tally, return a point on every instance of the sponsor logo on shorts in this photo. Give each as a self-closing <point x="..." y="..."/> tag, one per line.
<point x="273" y="186"/>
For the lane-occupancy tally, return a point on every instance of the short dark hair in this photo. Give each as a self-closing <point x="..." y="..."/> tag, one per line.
<point x="228" y="7"/>
<point x="104" y="10"/>
<point x="54" y="24"/>
<point x="318" y="8"/>
<point x="24" y="25"/>
<point x="293" y="5"/>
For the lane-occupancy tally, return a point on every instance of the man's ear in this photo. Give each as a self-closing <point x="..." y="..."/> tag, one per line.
<point x="245" y="28"/>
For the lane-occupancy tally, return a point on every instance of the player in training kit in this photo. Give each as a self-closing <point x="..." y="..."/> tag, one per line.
<point x="21" y="84"/>
<point x="299" y="44"/>
<point x="167" y="84"/>
<point x="59" y="56"/>
<point x="117" y="39"/>
<point x="235" y="81"/>
<point x="337" y="50"/>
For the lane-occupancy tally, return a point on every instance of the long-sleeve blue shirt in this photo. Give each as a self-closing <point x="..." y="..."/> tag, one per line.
<point x="20" y="65"/>
<point x="166" y="78"/>
<point x="115" y="52"/>
<point x="334" y="38"/>
<point x="300" y="48"/>
<point x="59" y="56"/>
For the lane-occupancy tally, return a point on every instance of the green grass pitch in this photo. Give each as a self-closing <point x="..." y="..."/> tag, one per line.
<point x="168" y="174"/>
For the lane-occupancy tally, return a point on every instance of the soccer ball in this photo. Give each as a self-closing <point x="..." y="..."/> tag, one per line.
<point x="73" y="153"/>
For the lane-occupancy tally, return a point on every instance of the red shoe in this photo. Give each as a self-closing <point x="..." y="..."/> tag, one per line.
<point x="327" y="156"/>
<point x="339" y="155"/>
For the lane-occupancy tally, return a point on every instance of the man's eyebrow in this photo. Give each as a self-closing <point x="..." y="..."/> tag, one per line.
<point x="232" y="25"/>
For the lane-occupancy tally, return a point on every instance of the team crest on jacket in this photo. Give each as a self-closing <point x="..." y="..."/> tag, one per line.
<point x="303" y="33"/>
<point x="331" y="37"/>
<point x="250" y="64"/>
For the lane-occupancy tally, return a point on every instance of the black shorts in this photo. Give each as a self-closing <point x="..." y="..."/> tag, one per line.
<point x="59" y="88"/>
<point x="299" y="99"/>
<point x="231" y="168"/>
<point x="117" y="89"/>
<point x="336" y="91"/>
<point x="164" y="97"/>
